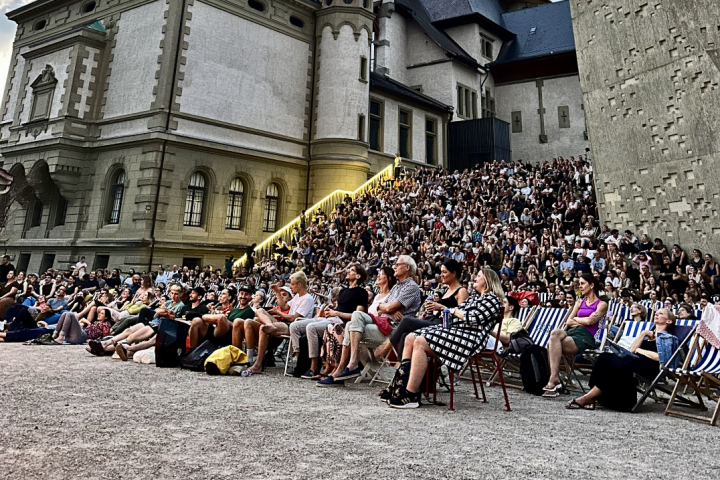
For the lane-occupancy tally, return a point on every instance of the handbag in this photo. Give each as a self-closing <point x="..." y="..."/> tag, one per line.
<point x="383" y="324"/>
<point x="519" y="342"/>
<point x="619" y="351"/>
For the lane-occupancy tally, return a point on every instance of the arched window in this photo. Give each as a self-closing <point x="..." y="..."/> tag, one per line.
<point x="272" y="199"/>
<point x="236" y="196"/>
<point x="116" y="197"/>
<point x="194" y="200"/>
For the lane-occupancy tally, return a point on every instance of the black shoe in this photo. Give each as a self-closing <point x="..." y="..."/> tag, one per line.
<point x="405" y="400"/>
<point x="308" y="375"/>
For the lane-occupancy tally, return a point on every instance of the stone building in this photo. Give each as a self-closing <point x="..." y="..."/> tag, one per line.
<point x="649" y="77"/>
<point x="180" y="131"/>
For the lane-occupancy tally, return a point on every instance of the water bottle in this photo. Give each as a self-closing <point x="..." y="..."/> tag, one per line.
<point x="446" y="318"/>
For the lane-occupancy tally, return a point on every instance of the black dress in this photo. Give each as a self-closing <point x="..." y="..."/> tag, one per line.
<point x="411" y="324"/>
<point x="614" y="376"/>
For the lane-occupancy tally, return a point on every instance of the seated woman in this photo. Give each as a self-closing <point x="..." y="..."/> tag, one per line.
<point x="128" y="315"/>
<point x="582" y="326"/>
<point x="470" y="326"/>
<point x="685" y="312"/>
<point x="70" y="330"/>
<point x="510" y="323"/>
<point x="450" y="273"/>
<point x="612" y="381"/>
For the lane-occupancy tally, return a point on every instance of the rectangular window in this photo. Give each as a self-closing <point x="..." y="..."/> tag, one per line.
<point x="466" y="102"/>
<point x="101" y="262"/>
<point x="61" y="211"/>
<point x="430" y="142"/>
<point x="405" y="133"/>
<point x="487" y="46"/>
<point x="564" y="117"/>
<point x="23" y="262"/>
<point x="36" y="210"/>
<point x="516" y="122"/>
<point x="363" y="69"/>
<point x="376" y="125"/>
<point x="460" y="101"/>
<point x="361" y="128"/>
<point x="48" y="260"/>
<point x="191" y="263"/>
<point x="488" y="109"/>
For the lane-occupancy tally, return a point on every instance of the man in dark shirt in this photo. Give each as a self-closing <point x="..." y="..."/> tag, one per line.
<point x="6" y="267"/>
<point x="353" y="298"/>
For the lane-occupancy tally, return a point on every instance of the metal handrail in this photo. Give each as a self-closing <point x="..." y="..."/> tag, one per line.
<point x="327" y="204"/>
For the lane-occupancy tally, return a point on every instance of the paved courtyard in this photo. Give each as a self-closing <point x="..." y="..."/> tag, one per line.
<point x="66" y="414"/>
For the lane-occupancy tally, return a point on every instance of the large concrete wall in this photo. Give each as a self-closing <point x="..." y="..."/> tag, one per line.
<point x="649" y="77"/>
<point x="135" y="60"/>
<point x="230" y="77"/>
<point x="524" y="97"/>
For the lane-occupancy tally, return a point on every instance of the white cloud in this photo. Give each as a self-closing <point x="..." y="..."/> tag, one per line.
<point x="7" y="35"/>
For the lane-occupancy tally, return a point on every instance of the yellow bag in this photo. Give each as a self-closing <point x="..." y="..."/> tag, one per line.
<point x="220" y="361"/>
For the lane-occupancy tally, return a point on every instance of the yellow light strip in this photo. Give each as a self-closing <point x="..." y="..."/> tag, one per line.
<point x="272" y="238"/>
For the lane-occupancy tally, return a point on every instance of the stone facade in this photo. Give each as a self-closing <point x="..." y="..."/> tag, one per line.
<point x="649" y="77"/>
<point x="167" y="131"/>
<point x="521" y="103"/>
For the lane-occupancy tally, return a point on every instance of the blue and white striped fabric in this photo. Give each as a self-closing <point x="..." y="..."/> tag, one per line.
<point x="709" y="363"/>
<point x="631" y="330"/>
<point x="622" y="313"/>
<point x="523" y="314"/>
<point x="546" y="320"/>
<point x="545" y="297"/>
<point x="650" y="305"/>
<point x="686" y="322"/>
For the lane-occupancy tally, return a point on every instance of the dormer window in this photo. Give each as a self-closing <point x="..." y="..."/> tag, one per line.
<point x="43" y="89"/>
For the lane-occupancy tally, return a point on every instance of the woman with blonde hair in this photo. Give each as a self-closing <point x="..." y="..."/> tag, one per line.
<point x="470" y="325"/>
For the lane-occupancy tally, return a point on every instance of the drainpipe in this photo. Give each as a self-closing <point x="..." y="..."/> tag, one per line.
<point x="310" y="122"/>
<point x="166" y="131"/>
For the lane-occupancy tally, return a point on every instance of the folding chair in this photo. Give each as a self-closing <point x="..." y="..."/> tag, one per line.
<point x="629" y="330"/>
<point x="491" y="356"/>
<point x="685" y="334"/>
<point x="525" y="313"/>
<point x="544" y="321"/>
<point x="382" y="363"/>
<point x="703" y="378"/>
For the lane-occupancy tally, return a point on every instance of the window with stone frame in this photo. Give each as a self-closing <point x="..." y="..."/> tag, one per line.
<point x="466" y="102"/>
<point x="516" y="122"/>
<point x="43" y="89"/>
<point x="564" y="117"/>
<point x="117" y="190"/>
<point x="272" y="201"/>
<point x="195" y="201"/>
<point x="236" y="200"/>
<point x="376" y="125"/>
<point x="430" y="141"/>
<point x="404" y="133"/>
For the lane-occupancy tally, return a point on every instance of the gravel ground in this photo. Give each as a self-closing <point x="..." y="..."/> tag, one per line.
<point x="66" y="414"/>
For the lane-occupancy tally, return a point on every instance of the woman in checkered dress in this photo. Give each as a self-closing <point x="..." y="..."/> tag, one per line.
<point x="471" y="323"/>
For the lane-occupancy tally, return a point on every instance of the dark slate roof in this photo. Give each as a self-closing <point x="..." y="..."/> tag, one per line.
<point x="446" y="9"/>
<point x="417" y="10"/>
<point x="382" y="82"/>
<point x="553" y="32"/>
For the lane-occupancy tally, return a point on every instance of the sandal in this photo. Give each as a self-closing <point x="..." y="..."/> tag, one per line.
<point x="557" y="387"/>
<point x="122" y="352"/>
<point x="551" y="394"/>
<point x="573" y="405"/>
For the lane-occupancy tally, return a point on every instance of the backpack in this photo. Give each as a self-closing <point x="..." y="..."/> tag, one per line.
<point x="195" y="359"/>
<point x="534" y="369"/>
<point x="170" y="343"/>
<point x="303" y="358"/>
<point x="519" y="342"/>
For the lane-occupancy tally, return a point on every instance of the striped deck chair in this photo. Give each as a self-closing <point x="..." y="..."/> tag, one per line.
<point x="685" y="332"/>
<point x="525" y="314"/>
<point x="703" y="378"/>
<point x="545" y="297"/>
<point x="544" y="321"/>
<point x="629" y="331"/>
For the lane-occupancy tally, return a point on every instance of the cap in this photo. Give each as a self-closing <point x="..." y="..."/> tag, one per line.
<point x="246" y="288"/>
<point x="287" y="289"/>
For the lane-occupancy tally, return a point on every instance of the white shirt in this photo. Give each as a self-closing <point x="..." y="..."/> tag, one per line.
<point x="302" y="305"/>
<point x="374" y="306"/>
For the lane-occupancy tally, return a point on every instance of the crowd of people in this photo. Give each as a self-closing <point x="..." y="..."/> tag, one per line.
<point x="380" y="270"/>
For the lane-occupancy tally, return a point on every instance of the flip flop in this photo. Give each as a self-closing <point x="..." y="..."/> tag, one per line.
<point x="573" y="405"/>
<point x="549" y="394"/>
